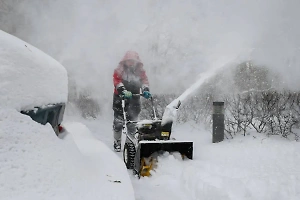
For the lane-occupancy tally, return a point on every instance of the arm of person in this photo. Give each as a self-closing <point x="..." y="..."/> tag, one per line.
<point x="117" y="80"/>
<point x="144" y="79"/>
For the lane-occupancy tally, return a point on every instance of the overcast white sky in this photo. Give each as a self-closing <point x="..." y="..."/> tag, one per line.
<point x="176" y="39"/>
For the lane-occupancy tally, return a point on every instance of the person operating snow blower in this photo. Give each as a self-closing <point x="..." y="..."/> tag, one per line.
<point x="129" y="78"/>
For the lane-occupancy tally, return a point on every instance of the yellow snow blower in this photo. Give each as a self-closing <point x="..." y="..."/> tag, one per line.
<point x="149" y="139"/>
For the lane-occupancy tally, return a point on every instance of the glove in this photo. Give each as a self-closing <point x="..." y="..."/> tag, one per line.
<point x="126" y="94"/>
<point x="147" y="94"/>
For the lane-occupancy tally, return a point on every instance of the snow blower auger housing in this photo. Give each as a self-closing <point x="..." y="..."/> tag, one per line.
<point x="150" y="138"/>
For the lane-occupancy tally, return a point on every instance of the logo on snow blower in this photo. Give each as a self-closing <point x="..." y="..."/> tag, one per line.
<point x="165" y="134"/>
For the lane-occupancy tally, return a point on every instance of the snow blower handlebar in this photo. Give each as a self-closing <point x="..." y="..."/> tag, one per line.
<point x="152" y="105"/>
<point x="136" y="95"/>
<point x="153" y="108"/>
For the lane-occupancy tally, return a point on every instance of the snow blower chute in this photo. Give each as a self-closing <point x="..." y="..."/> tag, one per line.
<point x="146" y="140"/>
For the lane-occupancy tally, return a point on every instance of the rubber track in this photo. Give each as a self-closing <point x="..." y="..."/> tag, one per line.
<point x="131" y="152"/>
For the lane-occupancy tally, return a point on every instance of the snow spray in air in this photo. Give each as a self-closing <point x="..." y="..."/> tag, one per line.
<point x="171" y="109"/>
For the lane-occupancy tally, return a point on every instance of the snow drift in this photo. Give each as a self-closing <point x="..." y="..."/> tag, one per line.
<point x="29" y="77"/>
<point x="35" y="164"/>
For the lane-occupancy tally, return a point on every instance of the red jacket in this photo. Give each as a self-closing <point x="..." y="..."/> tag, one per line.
<point x="132" y="78"/>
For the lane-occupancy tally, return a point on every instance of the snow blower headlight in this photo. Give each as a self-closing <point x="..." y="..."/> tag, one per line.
<point x="149" y="126"/>
<point x="165" y="134"/>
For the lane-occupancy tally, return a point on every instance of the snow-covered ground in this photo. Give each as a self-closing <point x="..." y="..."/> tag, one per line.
<point x="36" y="164"/>
<point x="253" y="167"/>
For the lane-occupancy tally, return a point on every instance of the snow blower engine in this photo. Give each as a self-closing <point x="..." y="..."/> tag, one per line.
<point x="149" y="139"/>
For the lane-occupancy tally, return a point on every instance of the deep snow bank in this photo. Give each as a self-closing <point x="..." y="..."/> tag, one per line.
<point x="29" y="77"/>
<point x="35" y="164"/>
<point x="105" y="161"/>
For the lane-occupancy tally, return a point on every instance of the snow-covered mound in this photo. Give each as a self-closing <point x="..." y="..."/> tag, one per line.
<point x="35" y="164"/>
<point x="29" y="77"/>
